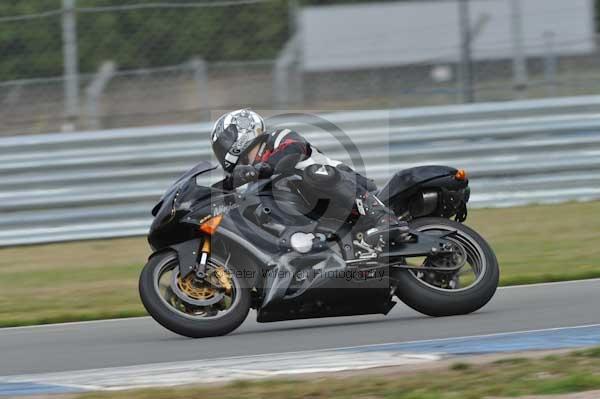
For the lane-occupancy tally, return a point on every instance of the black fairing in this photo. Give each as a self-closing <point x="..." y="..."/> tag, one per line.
<point x="407" y="182"/>
<point x="178" y="201"/>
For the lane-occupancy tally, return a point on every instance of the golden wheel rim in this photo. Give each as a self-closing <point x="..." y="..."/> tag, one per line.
<point x="209" y="298"/>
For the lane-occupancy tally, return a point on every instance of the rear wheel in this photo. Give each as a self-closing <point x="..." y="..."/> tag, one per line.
<point x="215" y="305"/>
<point x="444" y="293"/>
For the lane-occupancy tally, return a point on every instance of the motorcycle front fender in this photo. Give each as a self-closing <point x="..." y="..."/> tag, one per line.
<point x="187" y="254"/>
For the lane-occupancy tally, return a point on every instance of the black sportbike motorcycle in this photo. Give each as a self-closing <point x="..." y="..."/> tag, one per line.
<point x="265" y="246"/>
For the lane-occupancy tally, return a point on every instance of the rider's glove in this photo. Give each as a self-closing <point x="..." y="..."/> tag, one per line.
<point x="243" y="174"/>
<point x="264" y="170"/>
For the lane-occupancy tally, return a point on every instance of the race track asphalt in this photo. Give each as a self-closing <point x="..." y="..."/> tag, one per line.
<point x="111" y="343"/>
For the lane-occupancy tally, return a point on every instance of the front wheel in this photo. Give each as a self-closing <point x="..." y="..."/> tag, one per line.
<point x="450" y="293"/>
<point x="194" y="308"/>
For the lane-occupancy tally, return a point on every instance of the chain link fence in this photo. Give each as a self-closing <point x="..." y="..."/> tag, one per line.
<point x="94" y="64"/>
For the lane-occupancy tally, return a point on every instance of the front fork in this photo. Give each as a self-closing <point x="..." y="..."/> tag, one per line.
<point x="193" y="256"/>
<point x="204" y="255"/>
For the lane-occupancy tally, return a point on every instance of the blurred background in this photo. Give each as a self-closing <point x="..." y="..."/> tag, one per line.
<point x="104" y="103"/>
<point x="77" y="65"/>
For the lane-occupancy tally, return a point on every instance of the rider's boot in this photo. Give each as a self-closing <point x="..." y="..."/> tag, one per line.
<point x="379" y="223"/>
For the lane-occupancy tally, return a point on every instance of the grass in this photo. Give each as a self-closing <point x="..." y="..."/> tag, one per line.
<point x="557" y="374"/>
<point x="69" y="282"/>
<point x="543" y="243"/>
<point x="98" y="279"/>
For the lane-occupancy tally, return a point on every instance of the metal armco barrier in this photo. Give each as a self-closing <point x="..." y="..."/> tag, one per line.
<point x="84" y="185"/>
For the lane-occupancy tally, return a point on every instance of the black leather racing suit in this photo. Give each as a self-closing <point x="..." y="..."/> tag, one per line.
<point x="286" y="151"/>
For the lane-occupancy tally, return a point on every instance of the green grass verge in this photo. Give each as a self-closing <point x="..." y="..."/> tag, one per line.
<point x="576" y="372"/>
<point x="537" y="244"/>
<point x="98" y="279"/>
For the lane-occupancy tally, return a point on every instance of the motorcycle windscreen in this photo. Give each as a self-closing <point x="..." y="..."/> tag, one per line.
<point x="200" y="168"/>
<point x="197" y="170"/>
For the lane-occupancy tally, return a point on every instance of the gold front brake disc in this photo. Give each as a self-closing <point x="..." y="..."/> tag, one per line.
<point x="203" y="290"/>
<point x="194" y="289"/>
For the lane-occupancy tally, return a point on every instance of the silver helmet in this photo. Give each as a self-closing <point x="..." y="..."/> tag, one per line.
<point x="233" y="134"/>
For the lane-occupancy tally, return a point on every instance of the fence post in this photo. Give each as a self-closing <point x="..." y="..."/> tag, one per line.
<point x="95" y="90"/>
<point x="201" y="80"/>
<point x="550" y="64"/>
<point x="519" y="61"/>
<point x="466" y="61"/>
<point x="285" y="80"/>
<point x="70" y="64"/>
<point x="295" y="69"/>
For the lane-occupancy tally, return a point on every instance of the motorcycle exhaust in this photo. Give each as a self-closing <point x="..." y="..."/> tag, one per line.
<point x="423" y="203"/>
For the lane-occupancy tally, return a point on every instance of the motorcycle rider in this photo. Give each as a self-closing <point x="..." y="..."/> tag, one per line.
<point x="247" y="152"/>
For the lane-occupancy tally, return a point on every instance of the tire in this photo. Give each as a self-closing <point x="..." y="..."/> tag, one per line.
<point x="430" y="301"/>
<point x="176" y="321"/>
